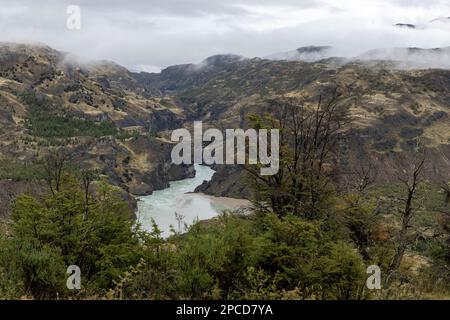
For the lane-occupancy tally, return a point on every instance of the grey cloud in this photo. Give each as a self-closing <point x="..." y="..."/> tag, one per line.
<point x="156" y="33"/>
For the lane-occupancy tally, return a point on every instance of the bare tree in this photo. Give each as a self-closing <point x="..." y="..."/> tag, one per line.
<point x="411" y="181"/>
<point x="87" y="177"/>
<point x="358" y="180"/>
<point x="54" y="164"/>
<point x="308" y="139"/>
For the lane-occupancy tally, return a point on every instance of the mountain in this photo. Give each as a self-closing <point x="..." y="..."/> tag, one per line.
<point x="403" y="58"/>
<point x="411" y="58"/>
<point x="424" y="24"/>
<point x="97" y="109"/>
<point x="179" y="77"/>
<point x="405" y="25"/>
<point x="441" y="19"/>
<point x="119" y="121"/>
<point x="308" y="54"/>
<point x="391" y="107"/>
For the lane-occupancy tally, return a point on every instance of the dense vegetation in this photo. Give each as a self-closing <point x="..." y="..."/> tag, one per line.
<point x="44" y="121"/>
<point x="258" y="256"/>
<point x="10" y="169"/>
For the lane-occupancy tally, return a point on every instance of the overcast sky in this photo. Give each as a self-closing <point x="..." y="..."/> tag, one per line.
<point x="152" y="34"/>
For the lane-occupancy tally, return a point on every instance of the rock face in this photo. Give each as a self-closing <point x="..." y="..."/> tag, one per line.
<point x="180" y="172"/>
<point x="228" y="181"/>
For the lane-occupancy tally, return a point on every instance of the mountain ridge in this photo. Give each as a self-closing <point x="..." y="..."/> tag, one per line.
<point x="391" y="109"/>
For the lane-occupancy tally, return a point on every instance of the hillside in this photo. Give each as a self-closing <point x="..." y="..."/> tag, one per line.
<point x="47" y="99"/>
<point x="312" y="233"/>
<point x="391" y="110"/>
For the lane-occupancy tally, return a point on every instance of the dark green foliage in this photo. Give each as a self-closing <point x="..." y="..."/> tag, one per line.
<point x="27" y="171"/>
<point x="123" y="135"/>
<point x="232" y="257"/>
<point x="49" y="234"/>
<point x="247" y="257"/>
<point x="46" y="121"/>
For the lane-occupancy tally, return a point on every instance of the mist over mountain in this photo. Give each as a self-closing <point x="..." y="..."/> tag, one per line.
<point x="400" y="58"/>
<point x="436" y="23"/>
<point x="442" y="19"/>
<point x="406" y="25"/>
<point x="309" y="53"/>
<point x="411" y="58"/>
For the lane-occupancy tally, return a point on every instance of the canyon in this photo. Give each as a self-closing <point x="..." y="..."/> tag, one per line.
<point x="391" y="109"/>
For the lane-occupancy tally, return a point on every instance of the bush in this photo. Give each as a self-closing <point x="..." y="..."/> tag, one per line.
<point x="47" y="235"/>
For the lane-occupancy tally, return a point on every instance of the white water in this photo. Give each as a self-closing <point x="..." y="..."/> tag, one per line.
<point x="162" y="204"/>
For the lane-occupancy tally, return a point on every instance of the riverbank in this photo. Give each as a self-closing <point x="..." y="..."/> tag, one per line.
<point x="228" y="203"/>
<point x="177" y="206"/>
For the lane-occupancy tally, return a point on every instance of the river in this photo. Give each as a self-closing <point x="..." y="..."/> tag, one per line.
<point x="178" y="198"/>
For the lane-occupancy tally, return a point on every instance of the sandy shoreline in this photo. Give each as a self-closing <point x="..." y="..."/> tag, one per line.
<point x="227" y="203"/>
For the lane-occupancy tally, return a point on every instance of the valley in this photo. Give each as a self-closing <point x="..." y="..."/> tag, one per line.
<point x="177" y="207"/>
<point x="86" y="175"/>
<point x="390" y="109"/>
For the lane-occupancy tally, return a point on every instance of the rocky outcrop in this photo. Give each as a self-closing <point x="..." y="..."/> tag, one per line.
<point x="228" y="181"/>
<point x="180" y="172"/>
